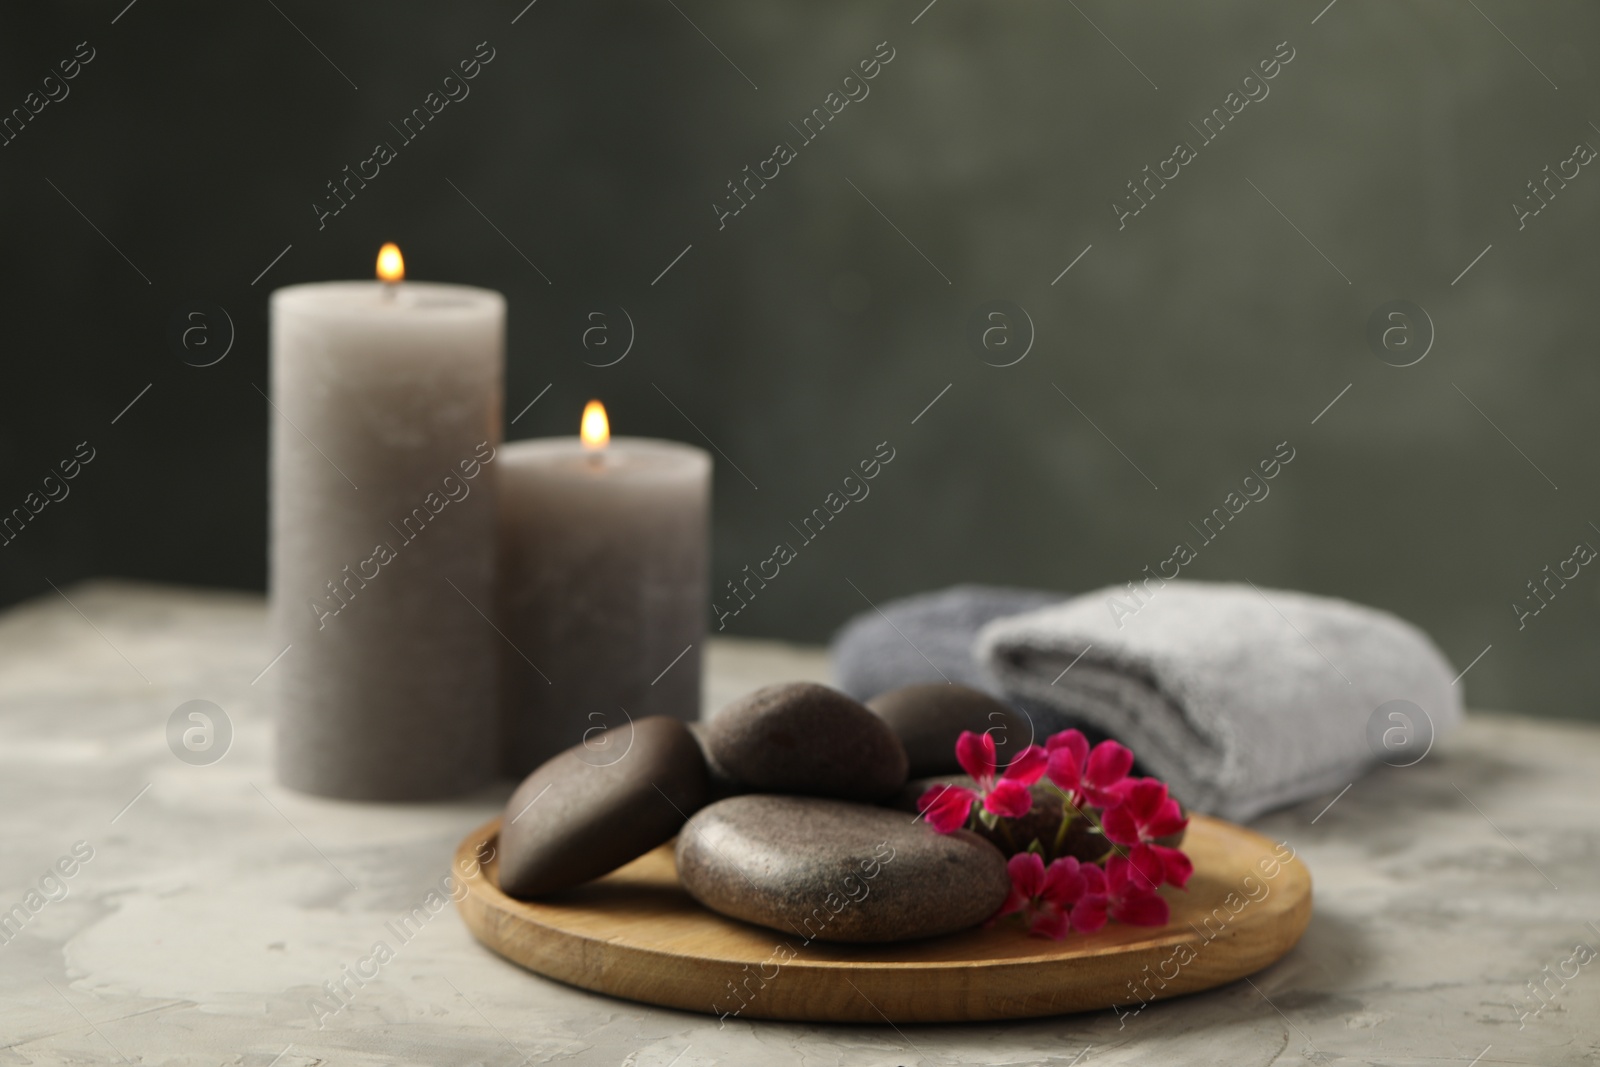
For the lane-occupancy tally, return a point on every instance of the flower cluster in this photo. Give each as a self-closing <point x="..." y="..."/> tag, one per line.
<point x="1114" y="837"/>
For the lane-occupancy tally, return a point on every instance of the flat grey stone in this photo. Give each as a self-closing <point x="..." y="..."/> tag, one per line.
<point x="929" y="717"/>
<point x="800" y="737"/>
<point x="599" y="805"/>
<point x="830" y="870"/>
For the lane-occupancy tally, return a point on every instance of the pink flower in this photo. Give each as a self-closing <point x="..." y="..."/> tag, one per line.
<point x="1160" y="864"/>
<point x="1046" y="895"/>
<point x="1143" y="814"/>
<point x="1087" y="777"/>
<point x="947" y="807"/>
<point x="1123" y="894"/>
<point x="1009" y="795"/>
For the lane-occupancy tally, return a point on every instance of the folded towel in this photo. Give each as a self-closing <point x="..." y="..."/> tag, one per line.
<point x="925" y="638"/>
<point x="1243" y="700"/>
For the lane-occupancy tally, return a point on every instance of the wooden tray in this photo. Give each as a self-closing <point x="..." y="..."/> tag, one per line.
<point x="636" y="934"/>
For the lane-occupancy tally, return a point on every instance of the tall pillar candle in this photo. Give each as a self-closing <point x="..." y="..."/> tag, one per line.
<point x="385" y="422"/>
<point x="603" y="584"/>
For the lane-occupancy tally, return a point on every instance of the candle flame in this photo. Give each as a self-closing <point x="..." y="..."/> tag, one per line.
<point x="596" y="429"/>
<point x="391" y="266"/>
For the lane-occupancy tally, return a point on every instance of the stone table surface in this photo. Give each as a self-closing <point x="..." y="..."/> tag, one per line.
<point x="213" y="905"/>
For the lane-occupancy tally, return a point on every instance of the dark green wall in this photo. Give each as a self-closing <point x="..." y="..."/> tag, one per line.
<point x="1215" y="325"/>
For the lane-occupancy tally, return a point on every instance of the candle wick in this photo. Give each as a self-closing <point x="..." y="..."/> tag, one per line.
<point x="389" y="289"/>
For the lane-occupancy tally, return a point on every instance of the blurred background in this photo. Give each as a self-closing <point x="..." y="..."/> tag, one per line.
<point x="978" y="173"/>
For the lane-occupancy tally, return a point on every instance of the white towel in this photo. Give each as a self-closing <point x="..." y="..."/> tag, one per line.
<point x="1241" y="699"/>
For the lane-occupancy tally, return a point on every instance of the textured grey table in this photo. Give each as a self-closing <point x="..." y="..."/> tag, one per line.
<point x="215" y="904"/>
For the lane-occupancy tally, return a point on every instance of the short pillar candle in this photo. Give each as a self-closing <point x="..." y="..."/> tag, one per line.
<point x="604" y="585"/>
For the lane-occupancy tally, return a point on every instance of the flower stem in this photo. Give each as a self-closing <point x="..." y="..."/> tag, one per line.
<point x="1069" y="810"/>
<point x="1061" y="834"/>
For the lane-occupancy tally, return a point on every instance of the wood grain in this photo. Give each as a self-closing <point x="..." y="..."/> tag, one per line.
<point x="636" y="934"/>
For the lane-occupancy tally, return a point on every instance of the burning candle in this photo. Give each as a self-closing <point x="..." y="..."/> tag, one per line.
<point x="386" y="401"/>
<point x="603" y="584"/>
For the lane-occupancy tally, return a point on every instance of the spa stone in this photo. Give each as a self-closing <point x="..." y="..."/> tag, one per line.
<point x="830" y="870"/>
<point x="805" y="738"/>
<point x="928" y="719"/>
<point x="599" y="805"/>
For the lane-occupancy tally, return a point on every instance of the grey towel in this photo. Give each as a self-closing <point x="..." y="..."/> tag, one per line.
<point x="925" y="638"/>
<point x="1243" y="700"/>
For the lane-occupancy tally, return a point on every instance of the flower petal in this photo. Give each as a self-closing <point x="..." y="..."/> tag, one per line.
<point x="1120" y="825"/>
<point x="1118" y="872"/>
<point x="1063" y="882"/>
<point x="1168" y="819"/>
<point x="1175" y="864"/>
<point x="1027" y="873"/>
<point x="1065" y="770"/>
<point x="975" y="753"/>
<point x="1089" y="914"/>
<point x="1108" y="764"/>
<point x="1009" y="798"/>
<point x="1071" y="740"/>
<point x="1029" y="765"/>
<point x="1146" y="869"/>
<point x="946" y="807"/>
<point x="1141" y="910"/>
<point x="1094" y="880"/>
<point x="1016" y="900"/>
<point x="1050" y="922"/>
<point x="1114" y="794"/>
<point x="1144" y="798"/>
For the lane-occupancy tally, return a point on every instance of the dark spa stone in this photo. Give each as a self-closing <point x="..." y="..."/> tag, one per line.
<point x="928" y="719"/>
<point x="722" y="783"/>
<point x="805" y="738"/>
<point x="830" y="870"/>
<point x="599" y="805"/>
